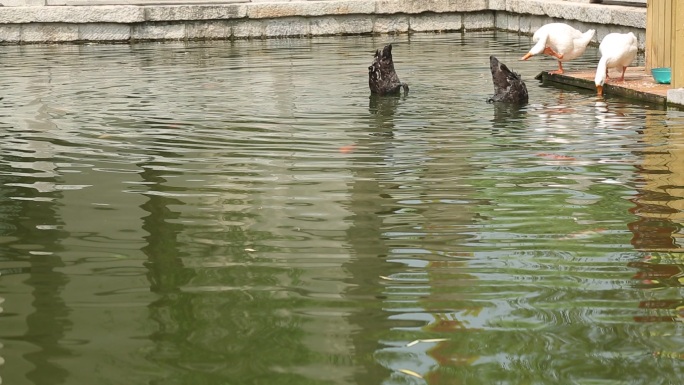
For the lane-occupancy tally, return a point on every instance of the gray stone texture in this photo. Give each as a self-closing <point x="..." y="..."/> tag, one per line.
<point x="158" y="31"/>
<point x="266" y="18"/>
<point x="195" y="12"/>
<point x="22" y="3"/>
<point x="436" y="22"/>
<point x="95" y="14"/>
<point x="391" y="24"/>
<point x="208" y="29"/>
<point x="10" y="33"/>
<point x="287" y="27"/>
<point x="676" y="96"/>
<point x="249" y="29"/>
<point x="104" y="32"/>
<point x="340" y="25"/>
<point x="49" y="32"/>
<point x="477" y="21"/>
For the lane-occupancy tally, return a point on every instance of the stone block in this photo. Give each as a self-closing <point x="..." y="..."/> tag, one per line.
<point x="195" y="12"/>
<point x="99" y="14"/>
<point x="641" y="39"/>
<point x="633" y="17"/>
<point x="208" y="29"/>
<point x="158" y="31"/>
<point x="501" y="20"/>
<point x="497" y="5"/>
<point x="344" y="25"/>
<point x="386" y="7"/>
<point x="513" y="22"/>
<point x="436" y="22"/>
<point x="435" y="6"/>
<point x="525" y="25"/>
<point x="477" y="21"/>
<point x="249" y="29"/>
<point x="49" y="32"/>
<point x="676" y="96"/>
<point x="602" y="31"/>
<point x="104" y="32"/>
<point x="10" y="33"/>
<point x="396" y="24"/>
<point x="593" y="14"/>
<point x="532" y="7"/>
<point x="286" y="27"/>
<point x="296" y="9"/>
<point x="468" y="5"/>
<point x="23" y="3"/>
<point x="159" y="22"/>
<point x="537" y="22"/>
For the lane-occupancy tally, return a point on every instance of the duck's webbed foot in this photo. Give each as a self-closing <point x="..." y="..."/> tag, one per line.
<point x="549" y="51"/>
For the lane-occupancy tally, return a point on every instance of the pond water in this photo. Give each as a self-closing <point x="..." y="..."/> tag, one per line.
<point x="243" y="213"/>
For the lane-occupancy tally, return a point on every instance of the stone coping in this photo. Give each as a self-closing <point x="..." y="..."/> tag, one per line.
<point x="127" y="14"/>
<point x="237" y="19"/>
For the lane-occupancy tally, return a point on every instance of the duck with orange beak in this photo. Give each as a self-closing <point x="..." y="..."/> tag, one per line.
<point x="561" y="41"/>
<point x="618" y="50"/>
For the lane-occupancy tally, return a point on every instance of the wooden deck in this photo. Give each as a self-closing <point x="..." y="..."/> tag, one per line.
<point x="638" y="84"/>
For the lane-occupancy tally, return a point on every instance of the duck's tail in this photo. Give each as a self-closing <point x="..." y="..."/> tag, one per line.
<point x="587" y="36"/>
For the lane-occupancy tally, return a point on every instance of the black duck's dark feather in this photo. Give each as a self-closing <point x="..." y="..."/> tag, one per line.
<point x="382" y="78"/>
<point x="508" y="85"/>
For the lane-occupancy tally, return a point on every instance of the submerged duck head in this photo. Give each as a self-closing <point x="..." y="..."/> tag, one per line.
<point x="508" y="85"/>
<point x="382" y="77"/>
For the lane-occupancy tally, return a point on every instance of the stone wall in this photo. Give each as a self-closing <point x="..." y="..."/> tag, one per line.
<point x="237" y="20"/>
<point x="35" y="3"/>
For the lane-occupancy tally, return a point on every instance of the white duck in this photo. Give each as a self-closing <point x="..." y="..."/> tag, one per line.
<point x="560" y="41"/>
<point x="618" y="50"/>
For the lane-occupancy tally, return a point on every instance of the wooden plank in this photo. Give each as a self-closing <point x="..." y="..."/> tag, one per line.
<point x="638" y="84"/>
<point x="667" y="33"/>
<point x="649" y="35"/>
<point x="659" y="32"/>
<point x="678" y="45"/>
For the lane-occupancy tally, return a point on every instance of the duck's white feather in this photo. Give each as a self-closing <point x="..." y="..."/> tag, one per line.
<point x="618" y="50"/>
<point x="562" y="38"/>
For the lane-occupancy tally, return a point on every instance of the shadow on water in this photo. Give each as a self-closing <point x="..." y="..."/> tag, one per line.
<point x="658" y="200"/>
<point x="508" y="117"/>
<point x="211" y="322"/>
<point x="659" y="226"/>
<point x="382" y="110"/>
<point x="369" y="203"/>
<point x="420" y="293"/>
<point x="32" y="234"/>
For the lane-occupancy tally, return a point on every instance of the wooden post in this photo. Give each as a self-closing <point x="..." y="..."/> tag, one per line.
<point x="648" y="45"/>
<point x="659" y="33"/>
<point x="665" y="37"/>
<point x="677" y="63"/>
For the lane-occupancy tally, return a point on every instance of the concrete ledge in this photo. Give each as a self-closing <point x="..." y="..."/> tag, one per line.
<point x="676" y="97"/>
<point x="94" y="14"/>
<point x="638" y="84"/>
<point x="236" y="20"/>
<point x="194" y="12"/>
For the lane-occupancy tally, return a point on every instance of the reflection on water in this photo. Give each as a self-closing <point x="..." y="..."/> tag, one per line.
<point x="244" y="212"/>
